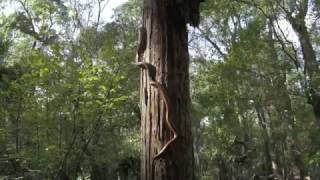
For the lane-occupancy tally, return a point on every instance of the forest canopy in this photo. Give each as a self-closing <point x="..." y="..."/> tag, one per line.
<point x="69" y="89"/>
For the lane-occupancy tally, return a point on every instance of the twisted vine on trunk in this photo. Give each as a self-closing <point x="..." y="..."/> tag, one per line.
<point x="163" y="93"/>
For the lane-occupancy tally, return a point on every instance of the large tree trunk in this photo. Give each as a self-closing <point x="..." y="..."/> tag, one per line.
<point x="298" y="23"/>
<point x="164" y="47"/>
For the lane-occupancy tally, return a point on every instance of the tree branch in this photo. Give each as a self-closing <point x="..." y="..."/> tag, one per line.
<point x="211" y="42"/>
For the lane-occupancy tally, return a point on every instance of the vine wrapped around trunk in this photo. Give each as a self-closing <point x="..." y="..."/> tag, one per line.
<point x="164" y="90"/>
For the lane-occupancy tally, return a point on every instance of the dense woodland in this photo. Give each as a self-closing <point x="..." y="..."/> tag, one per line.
<point x="69" y="90"/>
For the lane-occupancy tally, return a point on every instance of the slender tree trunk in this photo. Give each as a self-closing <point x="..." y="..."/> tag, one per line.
<point x="285" y="109"/>
<point x="268" y="159"/>
<point x="17" y="125"/>
<point x="38" y="142"/>
<point x="164" y="89"/>
<point x="224" y="172"/>
<point x="197" y="145"/>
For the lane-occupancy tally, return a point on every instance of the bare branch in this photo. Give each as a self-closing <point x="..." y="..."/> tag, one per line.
<point x="211" y="42"/>
<point x="283" y="46"/>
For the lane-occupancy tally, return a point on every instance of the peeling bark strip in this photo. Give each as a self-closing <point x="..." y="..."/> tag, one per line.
<point x="164" y="89"/>
<point x="142" y="43"/>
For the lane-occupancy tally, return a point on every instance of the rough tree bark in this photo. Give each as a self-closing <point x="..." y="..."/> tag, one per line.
<point x="163" y="57"/>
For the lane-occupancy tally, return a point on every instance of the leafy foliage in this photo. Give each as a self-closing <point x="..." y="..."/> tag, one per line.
<point x="69" y="92"/>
